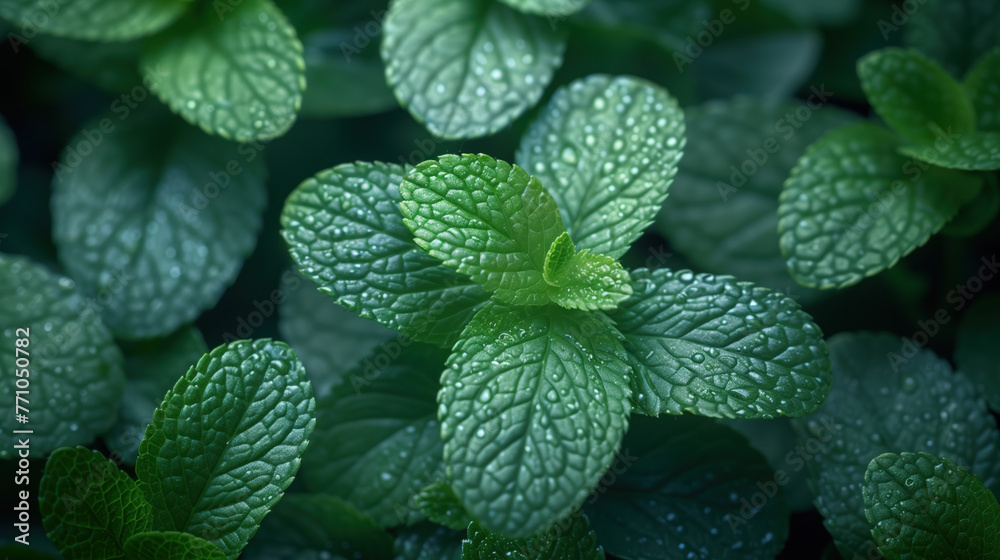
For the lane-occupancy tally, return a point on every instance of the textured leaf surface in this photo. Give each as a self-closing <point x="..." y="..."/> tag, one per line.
<point x="571" y="539"/>
<point x="226" y="442"/>
<point x="889" y="397"/>
<point x="171" y="545"/>
<point x="99" y="20"/>
<point x="88" y="506"/>
<point x="584" y="280"/>
<point x="678" y="491"/>
<point x="976" y="354"/>
<point x="378" y="441"/>
<point x="978" y="151"/>
<point x="722" y="218"/>
<point x="955" y="33"/>
<point x="440" y="504"/>
<point x="548" y="7"/>
<point x="467" y="68"/>
<point x="854" y="206"/>
<point x="318" y="527"/>
<point x="714" y="346"/>
<point x="74" y="367"/>
<point x="239" y="75"/>
<point x="345" y="231"/>
<point x="154" y="223"/>
<point x="429" y="542"/>
<point x="343" y="83"/>
<point x="486" y="219"/>
<point x="982" y="83"/>
<point x="8" y="161"/>
<point x="922" y="506"/>
<point x="607" y="149"/>
<point x="533" y="406"/>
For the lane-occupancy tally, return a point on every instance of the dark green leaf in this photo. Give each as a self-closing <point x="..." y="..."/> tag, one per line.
<point x="571" y="539"/>
<point x="96" y="20"/>
<point x="440" y="504"/>
<point x="976" y="352"/>
<point x="171" y="545"/>
<point x="955" y="33"/>
<point x="977" y="214"/>
<point x="821" y="12"/>
<point x="771" y="65"/>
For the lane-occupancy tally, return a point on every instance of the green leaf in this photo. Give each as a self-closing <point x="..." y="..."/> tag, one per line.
<point x="955" y="33"/>
<point x="315" y="527"/>
<point x="534" y="403"/>
<point x="171" y="545"/>
<point x="722" y="212"/>
<point x="607" y="149"/>
<point x="771" y="65"/>
<point x="440" y="504"/>
<point x="977" y="214"/>
<point x="584" y="280"/>
<point x="378" y="441"/>
<point x="714" y="346"/>
<point x="972" y="151"/>
<point x="916" y="97"/>
<point x="239" y="75"/>
<point x="345" y="231"/>
<point x="890" y="395"/>
<point x="152" y="367"/>
<point x="975" y="346"/>
<point x="467" y="68"/>
<point x="88" y="506"/>
<point x="982" y="84"/>
<point x="74" y="373"/>
<point x="8" y="162"/>
<point x="112" y="66"/>
<point x="854" y="206"/>
<point x="226" y="442"/>
<point x="328" y="339"/>
<point x="922" y="506"/>
<point x="97" y="20"/>
<point x="429" y="542"/>
<point x="682" y="488"/>
<point x="571" y="539"/>
<point x="548" y="7"/>
<point x="821" y="12"/>
<point x="343" y="83"/>
<point x="486" y="219"/>
<point x="156" y="221"/>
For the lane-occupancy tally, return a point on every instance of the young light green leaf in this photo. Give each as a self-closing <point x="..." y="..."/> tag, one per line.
<point x="8" y="162"/>
<point x="607" y="149"/>
<point x="67" y="357"/>
<point x="854" y="206"/>
<point x="714" y="346"/>
<point x="976" y="354"/>
<point x="226" y="442"/>
<point x="486" y="219"/>
<point x="982" y="84"/>
<point x="155" y="225"/>
<point x="922" y="506"/>
<point x="889" y="395"/>
<point x="687" y="487"/>
<point x="557" y="260"/>
<point x="548" y="7"/>
<point x="378" y="441"/>
<point x="534" y="403"/>
<point x="152" y="367"/>
<point x="440" y="504"/>
<point x="722" y="212"/>
<point x="170" y="545"/>
<point x="427" y="541"/>
<point x="89" y="507"/>
<point x="239" y="75"/>
<point x="343" y="83"/>
<point x="571" y="539"/>
<point x="916" y="97"/>
<point x="96" y="20"/>
<point x="345" y="231"/>
<point x="467" y="68"/>
<point x="955" y="33"/>
<point x="315" y="527"/>
<point x="584" y="280"/>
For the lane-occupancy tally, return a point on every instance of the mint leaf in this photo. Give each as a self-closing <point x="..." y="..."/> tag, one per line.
<point x="548" y="7"/>
<point x="955" y="33"/>
<point x="922" y="506"/>
<point x="328" y="339"/>
<point x="170" y="545"/>
<point x="916" y="97"/>
<point x="74" y="370"/>
<point x="571" y="539"/>
<point x="714" y="346"/>
<point x="972" y="151"/>
<point x="345" y="231"/>
<point x="467" y="68"/>
<point x="98" y="20"/>
<point x="314" y="527"/>
<point x="681" y="488"/>
<point x="378" y="441"/>
<point x="8" y="162"/>
<point x="440" y="504"/>
<point x="533" y="405"/>
<point x="854" y="206"/>
<point x="226" y="442"/>
<point x="239" y="74"/>
<point x="975" y="347"/>
<point x="607" y="149"/>
<point x="889" y="396"/>
<point x="486" y="219"/>
<point x="89" y="507"/>
<point x="584" y="280"/>
<point x="343" y="83"/>
<point x="156" y="225"/>
<point x="722" y="212"/>
<point x="152" y="367"/>
<point x="982" y="84"/>
<point x="429" y="542"/>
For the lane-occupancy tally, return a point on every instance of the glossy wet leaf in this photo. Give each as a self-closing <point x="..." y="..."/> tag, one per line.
<point x="97" y="20"/>
<point x="584" y="280"/>
<point x="8" y="162"/>
<point x="171" y="545"/>
<point x="467" y="68"/>
<point x="977" y="151"/>
<point x="976" y="354"/>
<point x="345" y="232"/>
<point x="955" y="33"/>
<point x="571" y="539"/>
<point x="440" y="504"/>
